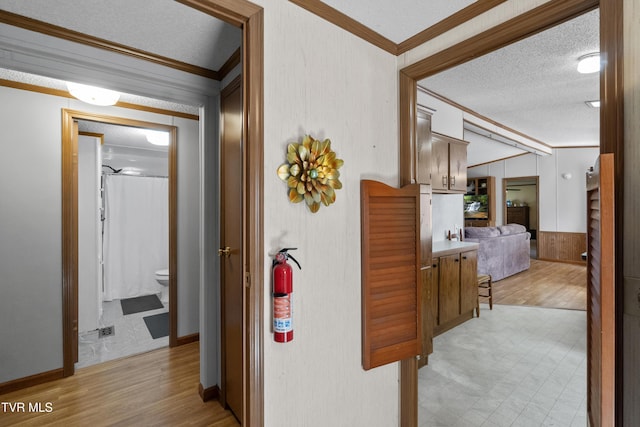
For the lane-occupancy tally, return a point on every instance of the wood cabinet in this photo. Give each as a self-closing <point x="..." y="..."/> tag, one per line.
<point x="480" y="202"/>
<point x="448" y="164"/>
<point x="423" y="147"/>
<point x="429" y="309"/>
<point x="518" y="215"/>
<point x="454" y="285"/>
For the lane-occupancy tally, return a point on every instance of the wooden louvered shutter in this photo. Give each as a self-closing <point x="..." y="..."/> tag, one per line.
<point x="391" y="318"/>
<point x="601" y="340"/>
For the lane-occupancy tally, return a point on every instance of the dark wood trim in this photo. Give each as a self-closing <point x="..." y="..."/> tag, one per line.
<point x="545" y="16"/>
<point x="20" y="383"/>
<point x="612" y="141"/>
<point x="173" y="236"/>
<point x="230" y="64"/>
<point x="347" y="23"/>
<point x="253" y="101"/>
<point x="527" y="24"/>
<point x="458" y="18"/>
<point x="209" y="393"/>
<point x="234" y="12"/>
<point x="408" y="128"/>
<point x="250" y="18"/>
<point x="480" y="116"/>
<point x="77" y="37"/>
<point x="409" y="393"/>
<point x="70" y="227"/>
<point x="65" y="94"/>
<point x="187" y="339"/>
<point x="498" y="160"/>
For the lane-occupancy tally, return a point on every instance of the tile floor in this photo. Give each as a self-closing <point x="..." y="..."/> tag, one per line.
<point x="131" y="336"/>
<point x="512" y="366"/>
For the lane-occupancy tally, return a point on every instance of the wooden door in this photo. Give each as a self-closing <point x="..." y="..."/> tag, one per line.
<point x="391" y="291"/>
<point x="458" y="166"/>
<point x="439" y="163"/>
<point x="231" y="257"/>
<point x="468" y="281"/>
<point x="423" y="148"/>
<point x="601" y="336"/>
<point x="449" y="291"/>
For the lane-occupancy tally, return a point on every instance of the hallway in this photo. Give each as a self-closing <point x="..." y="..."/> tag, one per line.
<point x="155" y="388"/>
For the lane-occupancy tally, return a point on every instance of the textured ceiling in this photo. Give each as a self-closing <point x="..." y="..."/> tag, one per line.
<point x="532" y="86"/>
<point x="399" y="19"/>
<point x="178" y="31"/>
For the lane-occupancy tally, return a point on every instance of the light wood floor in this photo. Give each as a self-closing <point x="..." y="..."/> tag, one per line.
<point x="545" y="284"/>
<point x="159" y="388"/>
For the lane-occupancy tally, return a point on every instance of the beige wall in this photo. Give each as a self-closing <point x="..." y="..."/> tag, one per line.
<point x="322" y="80"/>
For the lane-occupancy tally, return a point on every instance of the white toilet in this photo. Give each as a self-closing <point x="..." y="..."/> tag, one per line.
<point x="162" y="277"/>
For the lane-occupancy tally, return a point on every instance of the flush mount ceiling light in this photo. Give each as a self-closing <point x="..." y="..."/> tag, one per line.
<point x="93" y="95"/>
<point x="593" y="104"/>
<point x="589" y="63"/>
<point x="156" y="137"/>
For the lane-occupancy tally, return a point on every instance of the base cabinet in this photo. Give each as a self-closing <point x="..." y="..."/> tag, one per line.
<point x="454" y="276"/>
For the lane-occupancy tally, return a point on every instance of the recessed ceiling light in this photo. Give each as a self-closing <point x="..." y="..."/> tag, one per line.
<point x="93" y="95"/>
<point x="593" y="104"/>
<point x="589" y="63"/>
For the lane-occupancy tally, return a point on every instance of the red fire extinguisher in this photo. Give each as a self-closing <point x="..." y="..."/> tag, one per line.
<point x="282" y="290"/>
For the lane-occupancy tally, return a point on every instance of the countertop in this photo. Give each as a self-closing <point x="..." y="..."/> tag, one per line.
<point x="450" y="247"/>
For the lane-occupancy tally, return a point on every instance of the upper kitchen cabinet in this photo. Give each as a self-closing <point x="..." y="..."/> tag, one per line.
<point x="448" y="164"/>
<point x="423" y="147"/>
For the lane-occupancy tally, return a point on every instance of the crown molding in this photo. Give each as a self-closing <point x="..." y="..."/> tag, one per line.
<point x="358" y="29"/>
<point x="77" y="37"/>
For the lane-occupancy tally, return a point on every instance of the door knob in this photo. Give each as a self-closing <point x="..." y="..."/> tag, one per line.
<point x="226" y="251"/>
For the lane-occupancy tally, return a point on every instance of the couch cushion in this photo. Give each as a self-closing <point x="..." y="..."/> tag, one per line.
<point x="512" y="229"/>
<point x="481" y="232"/>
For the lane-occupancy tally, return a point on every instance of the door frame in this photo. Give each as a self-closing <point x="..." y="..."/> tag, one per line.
<point x="535" y="178"/>
<point x="70" y="227"/>
<point x="611" y="123"/>
<point x="250" y="18"/>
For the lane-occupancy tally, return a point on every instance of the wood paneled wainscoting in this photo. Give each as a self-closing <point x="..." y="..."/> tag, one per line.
<point x="562" y="246"/>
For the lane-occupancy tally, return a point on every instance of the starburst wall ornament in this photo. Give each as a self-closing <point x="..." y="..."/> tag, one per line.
<point x="311" y="173"/>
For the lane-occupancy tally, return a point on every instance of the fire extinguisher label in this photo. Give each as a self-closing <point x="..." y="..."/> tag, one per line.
<point x="282" y="314"/>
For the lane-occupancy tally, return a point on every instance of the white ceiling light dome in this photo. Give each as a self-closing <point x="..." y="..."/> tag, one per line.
<point x="589" y="63"/>
<point x="157" y="137"/>
<point x="93" y="95"/>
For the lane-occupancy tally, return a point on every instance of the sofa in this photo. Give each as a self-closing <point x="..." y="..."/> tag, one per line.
<point x="503" y="251"/>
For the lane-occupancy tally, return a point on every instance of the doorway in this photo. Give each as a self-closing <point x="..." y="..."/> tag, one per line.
<point x="521" y="206"/>
<point x="70" y="230"/>
<point x="545" y="16"/>
<point x="123" y="241"/>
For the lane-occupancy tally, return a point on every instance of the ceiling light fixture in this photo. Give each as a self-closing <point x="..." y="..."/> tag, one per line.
<point x="589" y="63"/>
<point x="93" y="95"/>
<point x="593" y="104"/>
<point x="156" y="137"/>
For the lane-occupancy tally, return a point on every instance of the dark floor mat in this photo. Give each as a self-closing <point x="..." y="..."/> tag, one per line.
<point x="138" y="304"/>
<point x="158" y="325"/>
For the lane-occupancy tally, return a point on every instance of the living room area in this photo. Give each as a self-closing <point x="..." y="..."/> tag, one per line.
<point x="522" y="360"/>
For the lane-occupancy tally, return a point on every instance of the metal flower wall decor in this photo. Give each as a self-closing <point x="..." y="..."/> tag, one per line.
<point x="311" y="173"/>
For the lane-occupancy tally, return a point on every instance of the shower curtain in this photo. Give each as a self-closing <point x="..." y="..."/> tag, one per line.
<point x="136" y="235"/>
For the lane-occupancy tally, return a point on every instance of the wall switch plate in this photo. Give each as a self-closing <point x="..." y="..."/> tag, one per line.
<point x="632" y="296"/>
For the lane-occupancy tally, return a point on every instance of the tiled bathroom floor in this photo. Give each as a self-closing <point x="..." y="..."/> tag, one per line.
<point x="131" y="336"/>
<point x="512" y="366"/>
